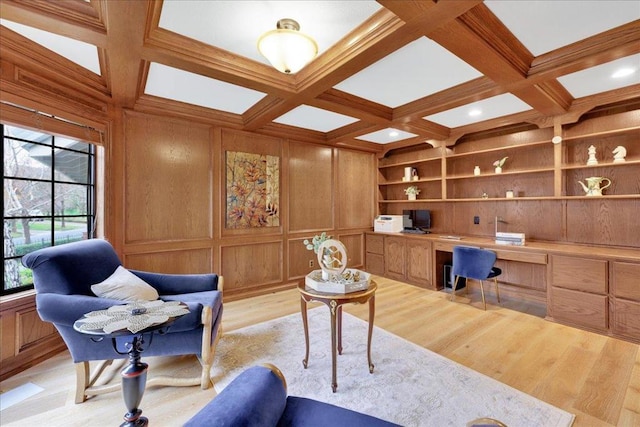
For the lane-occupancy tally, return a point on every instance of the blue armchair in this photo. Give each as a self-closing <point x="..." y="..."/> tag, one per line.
<point x="63" y="276"/>
<point x="258" y="398"/>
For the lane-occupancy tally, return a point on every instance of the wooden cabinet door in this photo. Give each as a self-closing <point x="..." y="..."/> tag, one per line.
<point x="395" y="258"/>
<point x="625" y="318"/>
<point x="626" y="280"/>
<point x="581" y="309"/>
<point x="374" y="264"/>
<point x="419" y="263"/>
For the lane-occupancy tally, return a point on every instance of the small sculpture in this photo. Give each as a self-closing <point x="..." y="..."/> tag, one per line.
<point x="592" y="156"/>
<point x="619" y="154"/>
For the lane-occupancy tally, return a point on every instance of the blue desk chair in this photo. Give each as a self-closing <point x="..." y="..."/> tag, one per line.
<point x="474" y="263"/>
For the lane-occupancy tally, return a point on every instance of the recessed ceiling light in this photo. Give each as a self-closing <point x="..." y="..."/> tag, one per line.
<point x="475" y="112"/>
<point x="393" y="133"/>
<point x="623" y="72"/>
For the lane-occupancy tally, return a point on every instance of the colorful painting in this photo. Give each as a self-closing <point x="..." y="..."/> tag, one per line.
<point x="253" y="190"/>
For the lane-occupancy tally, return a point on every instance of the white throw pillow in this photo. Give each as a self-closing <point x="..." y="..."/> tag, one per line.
<point x="125" y="286"/>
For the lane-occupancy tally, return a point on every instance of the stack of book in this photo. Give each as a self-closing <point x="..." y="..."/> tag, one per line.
<point x="515" y="239"/>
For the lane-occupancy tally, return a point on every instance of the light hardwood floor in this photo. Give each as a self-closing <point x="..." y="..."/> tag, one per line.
<point x="593" y="376"/>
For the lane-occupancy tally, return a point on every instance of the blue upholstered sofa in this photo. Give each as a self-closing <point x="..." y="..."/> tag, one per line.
<point x="258" y="398"/>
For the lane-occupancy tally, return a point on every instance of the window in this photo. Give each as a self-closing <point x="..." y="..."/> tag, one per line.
<point x="49" y="197"/>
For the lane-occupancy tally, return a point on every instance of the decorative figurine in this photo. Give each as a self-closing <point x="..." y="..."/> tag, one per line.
<point x="592" y="156"/>
<point x="619" y="154"/>
<point x="414" y="174"/>
<point x="476" y="170"/>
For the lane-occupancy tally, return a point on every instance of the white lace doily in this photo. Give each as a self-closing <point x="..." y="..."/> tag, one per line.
<point x="119" y="317"/>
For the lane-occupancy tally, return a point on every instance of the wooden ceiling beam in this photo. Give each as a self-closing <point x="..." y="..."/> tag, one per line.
<point x="423" y="128"/>
<point x="354" y="130"/>
<point x="125" y="26"/>
<point x="350" y="105"/>
<point x="30" y="57"/>
<point x="464" y="93"/>
<point x="75" y="19"/>
<point x="481" y="40"/>
<point x="371" y="41"/>
<point x="595" y="50"/>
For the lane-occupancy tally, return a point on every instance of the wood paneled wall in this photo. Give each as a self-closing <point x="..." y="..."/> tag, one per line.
<point x="173" y="203"/>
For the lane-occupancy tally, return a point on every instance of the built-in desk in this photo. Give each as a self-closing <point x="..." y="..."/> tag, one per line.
<point x="590" y="287"/>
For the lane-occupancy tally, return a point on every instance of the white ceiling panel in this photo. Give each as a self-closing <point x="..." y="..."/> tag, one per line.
<point x="486" y="109"/>
<point x="167" y="82"/>
<point x="612" y="75"/>
<point x="314" y="118"/>
<point x="545" y="25"/>
<point x="81" y="53"/>
<point x="236" y="25"/>
<point x="386" y="136"/>
<point x="420" y="68"/>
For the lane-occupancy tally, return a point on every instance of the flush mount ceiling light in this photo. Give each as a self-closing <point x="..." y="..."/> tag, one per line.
<point x="286" y="48"/>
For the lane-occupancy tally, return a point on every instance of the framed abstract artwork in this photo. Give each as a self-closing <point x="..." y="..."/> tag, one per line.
<point x="253" y="190"/>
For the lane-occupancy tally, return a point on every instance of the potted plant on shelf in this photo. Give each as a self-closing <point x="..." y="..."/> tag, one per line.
<point x="412" y="192"/>
<point x="499" y="163"/>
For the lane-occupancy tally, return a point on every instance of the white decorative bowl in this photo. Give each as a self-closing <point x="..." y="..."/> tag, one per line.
<point x="315" y="281"/>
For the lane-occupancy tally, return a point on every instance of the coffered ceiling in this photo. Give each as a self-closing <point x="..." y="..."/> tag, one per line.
<point x="389" y="73"/>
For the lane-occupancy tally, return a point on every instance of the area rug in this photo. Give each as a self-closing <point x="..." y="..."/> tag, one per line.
<point x="410" y="385"/>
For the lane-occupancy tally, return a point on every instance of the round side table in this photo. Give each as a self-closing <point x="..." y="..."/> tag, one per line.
<point x="335" y="303"/>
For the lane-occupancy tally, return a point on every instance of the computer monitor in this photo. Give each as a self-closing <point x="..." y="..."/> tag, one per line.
<point x="420" y="219"/>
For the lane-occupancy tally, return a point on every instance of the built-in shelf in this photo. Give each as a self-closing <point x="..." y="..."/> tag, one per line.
<point x="601" y="165"/>
<point x="536" y="169"/>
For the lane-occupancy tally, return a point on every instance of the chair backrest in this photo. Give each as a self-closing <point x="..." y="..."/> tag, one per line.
<point x="73" y="267"/>
<point x="473" y="263"/>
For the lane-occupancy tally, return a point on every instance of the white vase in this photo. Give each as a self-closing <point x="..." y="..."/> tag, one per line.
<point x="476" y="170"/>
<point x="498" y="169"/>
<point x="411" y="196"/>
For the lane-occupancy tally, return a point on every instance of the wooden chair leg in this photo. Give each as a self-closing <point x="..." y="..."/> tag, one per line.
<point x="495" y="279"/>
<point x="455" y="285"/>
<point x="82" y="381"/>
<point x="484" y="303"/>
<point x="85" y="380"/>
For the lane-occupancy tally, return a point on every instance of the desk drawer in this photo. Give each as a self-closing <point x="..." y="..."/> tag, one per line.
<point x="522" y="256"/>
<point x="579" y="308"/>
<point x="374" y="244"/>
<point x="582" y="274"/>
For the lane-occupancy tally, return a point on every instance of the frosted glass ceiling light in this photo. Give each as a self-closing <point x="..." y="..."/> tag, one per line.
<point x="286" y="48"/>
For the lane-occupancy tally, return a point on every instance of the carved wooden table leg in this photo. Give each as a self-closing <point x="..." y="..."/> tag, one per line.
<point x="334" y="347"/>
<point x="372" y="312"/>
<point x="305" y="323"/>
